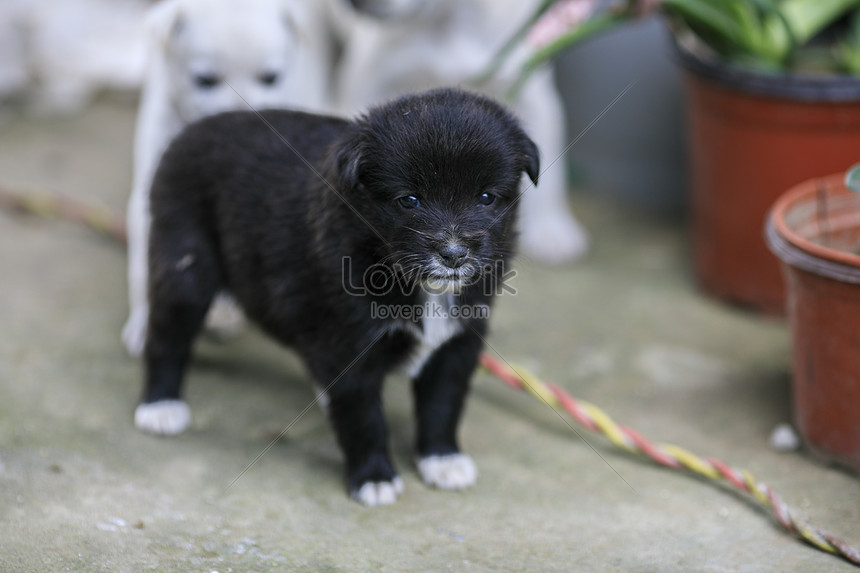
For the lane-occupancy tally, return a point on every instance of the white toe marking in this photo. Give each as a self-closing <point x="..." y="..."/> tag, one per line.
<point x="167" y="417"/>
<point x="454" y="471"/>
<point x="373" y="494"/>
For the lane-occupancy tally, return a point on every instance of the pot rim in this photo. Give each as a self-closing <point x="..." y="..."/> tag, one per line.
<point x="793" y="248"/>
<point x="783" y="85"/>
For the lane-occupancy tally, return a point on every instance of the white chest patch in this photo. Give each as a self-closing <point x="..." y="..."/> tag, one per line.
<point x="437" y="328"/>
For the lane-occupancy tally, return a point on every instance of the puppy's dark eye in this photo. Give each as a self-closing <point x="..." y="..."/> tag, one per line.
<point x="268" y="78"/>
<point x="206" y="81"/>
<point x="408" y="202"/>
<point x="486" y="199"/>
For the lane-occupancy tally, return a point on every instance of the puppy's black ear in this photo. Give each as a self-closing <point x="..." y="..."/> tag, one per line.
<point x="347" y="160"/>
<point x="531" y="156"/>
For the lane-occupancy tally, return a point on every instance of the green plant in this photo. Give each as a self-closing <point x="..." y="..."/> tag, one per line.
<point x="765" y="33"/>
<point x="771" y="35"/>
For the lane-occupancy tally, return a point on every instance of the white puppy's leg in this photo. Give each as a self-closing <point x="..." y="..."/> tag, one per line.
<point x="137" y="221"/>
<point x="548" y="230"/>
<point x="156" y="126"/>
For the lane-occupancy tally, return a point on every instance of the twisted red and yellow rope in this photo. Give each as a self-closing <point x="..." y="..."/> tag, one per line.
<point x="52" y="206"/>
<point x="594" y="419"/>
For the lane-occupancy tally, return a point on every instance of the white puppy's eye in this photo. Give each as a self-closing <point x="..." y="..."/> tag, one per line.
<point x="268" y="78"/>
<point x="206" y="81"/>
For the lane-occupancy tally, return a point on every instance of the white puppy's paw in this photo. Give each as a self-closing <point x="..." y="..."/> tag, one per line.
<point x="165" y="417"/>
<point x="134" y="332"/>
<point x="453" y="471"/>
<point x="553" y="238"/>
<point x="373" y="494"/>
<point x="225" y="319"/>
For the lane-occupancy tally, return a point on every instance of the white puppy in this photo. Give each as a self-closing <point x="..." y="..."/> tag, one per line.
<point x="205" y="57"/>
<point x="397" y="46"/>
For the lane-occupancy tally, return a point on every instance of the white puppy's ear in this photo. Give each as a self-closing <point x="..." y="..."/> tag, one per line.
<point x="164" y="20"/>
<point x="297" y="17"/>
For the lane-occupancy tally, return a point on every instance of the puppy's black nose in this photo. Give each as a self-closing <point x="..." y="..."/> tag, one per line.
<point x="454" y="254"/>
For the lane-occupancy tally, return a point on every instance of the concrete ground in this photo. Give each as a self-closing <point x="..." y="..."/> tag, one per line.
<point x="82" y="490"/>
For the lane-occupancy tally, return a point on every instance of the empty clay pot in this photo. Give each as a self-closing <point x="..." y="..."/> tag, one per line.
<point x="815" y="230"/>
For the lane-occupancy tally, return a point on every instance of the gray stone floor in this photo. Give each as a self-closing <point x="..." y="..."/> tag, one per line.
<point x="81" y="490"/>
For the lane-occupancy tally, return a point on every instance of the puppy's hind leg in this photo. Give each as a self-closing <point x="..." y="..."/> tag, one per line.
<point x="184" y="279"/>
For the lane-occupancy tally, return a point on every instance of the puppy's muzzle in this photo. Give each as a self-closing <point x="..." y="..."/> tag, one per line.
<point x="453" y="254"/>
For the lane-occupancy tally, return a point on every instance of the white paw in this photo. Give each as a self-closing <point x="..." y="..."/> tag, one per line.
<point x="454" y="471"/>
<point x="134" y="332"/>
<point x="225" y="319"/>
<point x="553" y="238"/>
<point x="372" y="494"/>
<point x="166" y="417"/>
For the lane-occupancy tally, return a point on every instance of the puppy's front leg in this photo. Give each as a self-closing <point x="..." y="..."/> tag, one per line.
<point x="440" y="391"/>
<point x="355" y="408"/>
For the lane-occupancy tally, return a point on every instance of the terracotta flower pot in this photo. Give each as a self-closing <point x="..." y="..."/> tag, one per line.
<point x="751" y="136"/>
<point x="815" y="230"/>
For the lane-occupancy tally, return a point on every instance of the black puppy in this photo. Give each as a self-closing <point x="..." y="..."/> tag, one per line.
<point x="365" y="245"/>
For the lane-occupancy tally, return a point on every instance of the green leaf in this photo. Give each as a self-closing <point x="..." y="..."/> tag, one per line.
<point x="595" y="25"/>
<point x="720" y="19"/>
<point x="847" y="50"/>
<point x="768" y="32"/>
<point x="806" y="18"/>
<point x="499" y="59"/>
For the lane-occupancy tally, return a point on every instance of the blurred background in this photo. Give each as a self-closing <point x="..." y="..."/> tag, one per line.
<point x="645" y="285"/>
